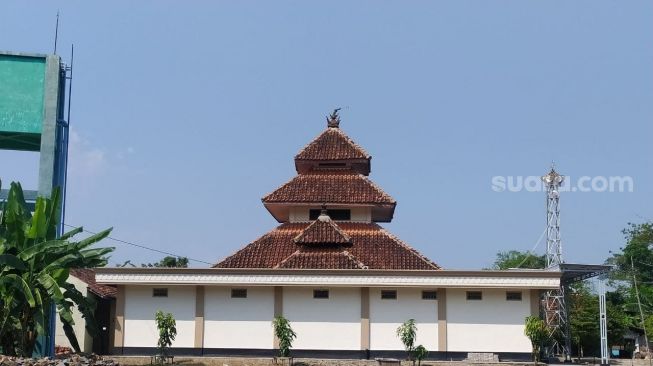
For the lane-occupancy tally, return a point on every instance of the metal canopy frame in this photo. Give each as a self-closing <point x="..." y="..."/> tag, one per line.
<point x="576" y="272"/>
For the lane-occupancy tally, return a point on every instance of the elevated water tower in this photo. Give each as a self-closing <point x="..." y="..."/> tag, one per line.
<point x="32" y="105"/>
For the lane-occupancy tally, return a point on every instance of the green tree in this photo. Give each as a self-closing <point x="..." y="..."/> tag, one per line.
<point x="34" y="267"/>
<point x="584" y="320"/>
<point x="633" y="264"/>
<point x="407" y="333"/>
<point x="168" y="262"/>
<point x="167" y="327"/>
<point x="284" y="334"/>
<point x="516" y="259"/>
<point x="537" y="333"/>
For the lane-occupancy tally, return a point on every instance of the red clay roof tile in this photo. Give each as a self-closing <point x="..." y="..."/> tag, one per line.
<point x="323" y="258"/>
<point x="322" y="232"/>
<point x="371" y="245"/>
<point x="332" y="144"/>
<point x="330" y="187"/>
<point x="87" y="276"/>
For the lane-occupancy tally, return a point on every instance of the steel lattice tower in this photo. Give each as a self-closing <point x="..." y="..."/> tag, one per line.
<point x="555" y="309"/>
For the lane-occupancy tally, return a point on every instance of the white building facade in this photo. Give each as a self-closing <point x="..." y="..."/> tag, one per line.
<point x="342" y="314"/>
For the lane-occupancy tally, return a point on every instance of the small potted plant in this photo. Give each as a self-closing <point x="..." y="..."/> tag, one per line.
<point x="285" y="335"/>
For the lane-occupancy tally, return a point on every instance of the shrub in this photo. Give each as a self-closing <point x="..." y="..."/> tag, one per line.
<point x="419" y="353"/>
<point x="537" y="332"/>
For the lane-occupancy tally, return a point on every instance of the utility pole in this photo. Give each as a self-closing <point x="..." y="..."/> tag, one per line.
<point x="639" y="303"/>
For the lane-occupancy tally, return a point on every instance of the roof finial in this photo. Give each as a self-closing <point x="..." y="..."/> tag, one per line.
<point x="333" y="120"/>
<point x="324" y="214"/>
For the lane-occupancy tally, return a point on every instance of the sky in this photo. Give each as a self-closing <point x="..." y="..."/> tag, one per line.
<point x="185" y="113"/>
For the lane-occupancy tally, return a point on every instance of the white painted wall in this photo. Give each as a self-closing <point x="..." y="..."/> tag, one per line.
<point x="140" y="306"/>
<point x="238" y="323"/>
<point x="358" y="214"/>
<point x="490" y="325"/>
<point x="387" y="315"/>
<point x="332" y="323"/>
<point x="83" y="337"/>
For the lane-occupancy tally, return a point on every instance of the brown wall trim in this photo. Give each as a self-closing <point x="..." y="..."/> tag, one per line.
<point x="278" y="310"/>
<point x="535" y="303"/>
<point x="442" y="319"/>
<point x="365" y="318"/>
<point x="199" y="317"/>
<point x="119" y="335"/>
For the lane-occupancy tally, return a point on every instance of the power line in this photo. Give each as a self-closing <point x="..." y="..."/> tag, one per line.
<point x="142" y="246"/>
<point x="530" y="252"/>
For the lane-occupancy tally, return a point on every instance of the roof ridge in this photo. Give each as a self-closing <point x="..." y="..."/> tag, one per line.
<point x="378" y="188"/>
<point x="408" y="247"/>
<point x="283" y="261"/>
<point x="351" y="141"/>
<point x="353" y="258"/>
<point x="299" y="239"/>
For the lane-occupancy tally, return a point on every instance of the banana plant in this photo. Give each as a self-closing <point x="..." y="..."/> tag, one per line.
<point x="34" y="268"/>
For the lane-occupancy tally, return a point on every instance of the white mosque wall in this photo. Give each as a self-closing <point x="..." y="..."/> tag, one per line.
<point x="492" y="324"/>
<point x="140" y="307"/>
<point x="238" y="322"/>
<point x="324" y="324"/>
<point x="387" y="315"/>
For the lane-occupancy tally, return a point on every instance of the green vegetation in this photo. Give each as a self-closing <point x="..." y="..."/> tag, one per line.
<point x="420" y="352"/>
<point x="407" y="333"/>
<point x="517" y="259"/>
<point x="166" y="262"/>
<point x="34" y="267"/>
<point x="284" y="334"/>
<point x="537" y="332"/>
<point x="167" y="327"/>
<point x="633" y="264"/>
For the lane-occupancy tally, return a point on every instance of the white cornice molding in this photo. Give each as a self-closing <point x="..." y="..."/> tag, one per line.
<point x="461" y="281"/>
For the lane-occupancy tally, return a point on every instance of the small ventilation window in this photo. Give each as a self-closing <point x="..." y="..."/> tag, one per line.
<point x="389" y="295"/>
<point x="238" y="293"/>
<point x="320" y="294"/>
<point x="474" y="295"/>
<point x="338" y="214"/>
<point x="429" y="295"/>
<point x="159" y="292"/>
<point x="332" y="165"/>
<point x="513" y="296"/>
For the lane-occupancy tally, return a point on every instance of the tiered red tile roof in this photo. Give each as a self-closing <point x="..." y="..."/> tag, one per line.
<point x="87" y="276"/>
<point x="332" y="171"/>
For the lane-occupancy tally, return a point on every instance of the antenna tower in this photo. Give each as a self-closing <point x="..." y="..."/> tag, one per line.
<point x="555" y="307"/>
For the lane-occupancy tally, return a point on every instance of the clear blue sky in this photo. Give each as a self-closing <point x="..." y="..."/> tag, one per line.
<point x="186" y="113"/>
